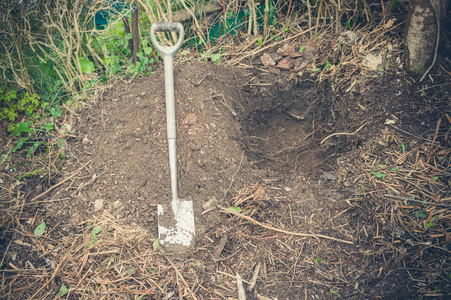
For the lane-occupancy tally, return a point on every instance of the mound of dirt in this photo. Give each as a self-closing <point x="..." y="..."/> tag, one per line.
<point x="234" y="127"/>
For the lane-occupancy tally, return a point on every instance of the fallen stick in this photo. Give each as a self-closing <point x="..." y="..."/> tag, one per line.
<point x="343" y="133"/>
<point x="183" y="280"/>
<point x="51" y="278"/>
<point x="60" y="183"/>
<point x="255" y="222"/>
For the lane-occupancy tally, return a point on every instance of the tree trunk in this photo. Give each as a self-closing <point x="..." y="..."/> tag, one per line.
<point x="424" y="21"/>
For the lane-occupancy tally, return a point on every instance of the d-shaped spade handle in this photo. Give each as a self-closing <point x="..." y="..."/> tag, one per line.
<point x="167" y="27"/>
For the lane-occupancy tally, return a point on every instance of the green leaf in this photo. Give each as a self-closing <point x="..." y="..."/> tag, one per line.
<point x="317" y="259"/>
<point x="260" y="41"/>
<point x="394" y="169"/>
<point x="403" y="148"/>
<point x="328" y="65"/>
<point x="302" y="48"/>
<point x="378" y="174"/>
<point x="129" y="36"/>
<point x="429" y="225"/>
<point x="55" y="112"/>
<point x="110" y="261"/>
<point x="63" y="290"/>
<point x="33" y="148"/>
<point x="216" y="58"/>
<point x="185" y="52"/>
<point x="348" y="24"/>
<point x="48" y="126"/>
<point x="95" y="231"/>
<point x="316" y="70"/>
<point x="86" y="65"/>
<point x="155" y="245"/>
<point x="131" y="271"/>
<point x="144" y="42"/>
<point x="236" y="209"/>
<point x="20" y="143"/>
<point x="20" y="128"/>
<point x="40" y="229"/>
<point x="147" y="50"/>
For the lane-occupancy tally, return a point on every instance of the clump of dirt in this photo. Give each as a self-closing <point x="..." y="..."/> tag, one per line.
<point x="234" y="126"/>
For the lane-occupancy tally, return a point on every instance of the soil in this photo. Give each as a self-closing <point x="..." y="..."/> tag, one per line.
<point x="228" y="134"/>
<point x="257" y="141"/>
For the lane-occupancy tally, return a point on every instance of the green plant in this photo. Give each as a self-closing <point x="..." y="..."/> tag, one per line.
<point x="14" y="104"/>
<point x="348" y="24"/>
<point x="40" y="229"/>
<point x="155" y="245"/>
<point x="378" y="174"/>
<point x="63" y="290"/>
<point x="94" y="232"/>
<point x="236" y="209"/>
<point x="216" y="58"/>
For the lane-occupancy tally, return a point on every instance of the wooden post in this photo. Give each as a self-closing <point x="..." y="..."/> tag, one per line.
<point x="127" y="31"/>
<point x="135" y="34"/>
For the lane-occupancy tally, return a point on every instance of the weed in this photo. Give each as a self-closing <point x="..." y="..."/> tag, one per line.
<point x="40" y="229"/>
<point x="378" y="174"/>
<point x="63" y="290"/>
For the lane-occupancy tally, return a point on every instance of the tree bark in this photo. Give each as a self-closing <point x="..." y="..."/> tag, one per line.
<point x="424" y="21"/>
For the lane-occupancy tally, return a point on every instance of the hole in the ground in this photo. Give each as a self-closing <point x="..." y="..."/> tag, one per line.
<point x="282" y="125"/>
<point x="282" y="142"/>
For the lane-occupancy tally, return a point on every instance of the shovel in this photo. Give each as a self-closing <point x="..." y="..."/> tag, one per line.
<point x="175" y="222"/>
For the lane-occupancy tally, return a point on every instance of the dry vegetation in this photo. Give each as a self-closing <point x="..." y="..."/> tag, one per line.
<point x="398" y="218"/>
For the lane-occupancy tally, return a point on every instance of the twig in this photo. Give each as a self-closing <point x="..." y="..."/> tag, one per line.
<point x="344" y="133"/>
<point x="233" y="176"/>
<point x="231" y="276"/>
<point x="51" y="278"/>
<point x="254" y="277"/>
<point x="60" y="183"/>
<point x="183" y="279"/>
<point x="432" y="86"/>
<point x="226" y="210"/>
<point x="239" y="283"/>
<point x="417" y="201"/>
<point x="437" y="40"/>
<point x="237" y="60"/>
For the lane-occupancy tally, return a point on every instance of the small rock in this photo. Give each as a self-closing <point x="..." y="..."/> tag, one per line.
<point x="329" y="176"/>
<point x="267" y="60"/>
<point x="39" y="189"/>
<point x="310" y="49"/>
<point x="274" y="70"/>
<point x="349" y="38"/>
<point x="190" y="119"/>
<point x="285" y="64"/>
<point x="286" y="49"/>
<point x="300" y="64"/>
<point x="296" y="54"/>
<point x="86" y="141"/>
<point x="287" y="189"/>
<point x="375" y="63"/>
<point x="98" y="205"/>
<point x="276" y="57"/>
<point x="210" y="203"/>
<point x="117" y="204"/>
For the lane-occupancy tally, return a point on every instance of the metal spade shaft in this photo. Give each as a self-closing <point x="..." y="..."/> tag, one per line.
<point x="175" y="231"/>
